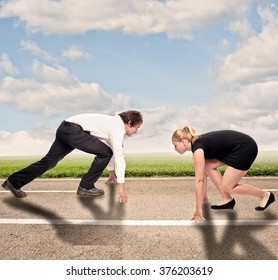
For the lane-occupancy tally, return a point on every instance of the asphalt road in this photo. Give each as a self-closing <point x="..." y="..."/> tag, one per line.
<point x="53" y="223"/>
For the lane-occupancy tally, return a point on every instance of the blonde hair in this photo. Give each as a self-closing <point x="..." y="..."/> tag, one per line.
<point x="187" y="133"/>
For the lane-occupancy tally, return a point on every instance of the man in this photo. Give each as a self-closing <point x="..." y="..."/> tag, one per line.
<point x="97" y="134"/>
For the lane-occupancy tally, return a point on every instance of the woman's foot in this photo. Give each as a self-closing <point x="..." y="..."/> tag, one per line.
<point x="228" y="205"/>
<point x="268" y="198"/>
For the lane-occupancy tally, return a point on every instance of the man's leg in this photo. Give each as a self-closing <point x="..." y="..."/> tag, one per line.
<point x="22" y="177"/>
<point x="26" y="175"/>
<point x="98" y="165"/>
<point x="87" y="187"/>
<point x="88" y="143"/>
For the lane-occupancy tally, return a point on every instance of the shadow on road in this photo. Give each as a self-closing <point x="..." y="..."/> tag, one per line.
<point x="115" y="209"/>
<point x="80" y="234"/>
<point x="237" y="242"/>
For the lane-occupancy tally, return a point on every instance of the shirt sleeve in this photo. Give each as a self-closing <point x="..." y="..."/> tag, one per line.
<point x="116" y="138"/>
<point x="197" y="145"/>
<point x="111" y="164"/>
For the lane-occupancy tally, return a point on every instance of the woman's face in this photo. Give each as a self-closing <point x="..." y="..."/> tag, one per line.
<point x="181" y="146"/>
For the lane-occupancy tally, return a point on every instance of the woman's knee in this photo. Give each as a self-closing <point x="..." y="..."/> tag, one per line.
<point x="228" y="187"/>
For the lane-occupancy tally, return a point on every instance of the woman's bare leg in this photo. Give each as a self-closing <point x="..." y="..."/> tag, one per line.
<point x="205" y="199"/>
<point x="230" y="184"/>
<point x="217" y="179"/>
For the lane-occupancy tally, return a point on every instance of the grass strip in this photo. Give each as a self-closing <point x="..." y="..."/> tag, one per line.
<point x="138" y="165"/>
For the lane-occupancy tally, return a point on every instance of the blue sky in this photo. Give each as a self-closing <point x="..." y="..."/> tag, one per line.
<point x="180" y="62"/>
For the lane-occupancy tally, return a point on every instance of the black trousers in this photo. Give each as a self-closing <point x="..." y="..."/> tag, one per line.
<point x="69" y="136"/>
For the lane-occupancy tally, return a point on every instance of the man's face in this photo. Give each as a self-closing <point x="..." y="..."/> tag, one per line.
<point x="130" y="130"/>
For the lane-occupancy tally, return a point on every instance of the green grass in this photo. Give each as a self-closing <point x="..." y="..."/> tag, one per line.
<point x="138" y="165"/>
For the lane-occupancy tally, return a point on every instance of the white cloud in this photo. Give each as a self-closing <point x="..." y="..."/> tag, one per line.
<point x="6" y="66"/>
<point x="255" y="59"/>
<point x="74" y="52"/>
<point x="177" y="18"/>
<point x="243" y="27"/>
<point x="156" y="132"/>
<point x="158" y="121"/>
<point x="53" y="75"/>
<point x="57" y="93"/>
<point x="21" y="143"/>
<point x="248" y="79"/>
<point x="251" y="109"/>
<point x="35" y="50"/>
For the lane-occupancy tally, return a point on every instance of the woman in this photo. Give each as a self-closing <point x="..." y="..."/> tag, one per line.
<point x="211" y="150"/>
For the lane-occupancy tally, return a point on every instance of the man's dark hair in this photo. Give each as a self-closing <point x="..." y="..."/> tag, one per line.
<point x="132" y="116"/>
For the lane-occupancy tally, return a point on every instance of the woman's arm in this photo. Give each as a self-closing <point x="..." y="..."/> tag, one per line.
<point x="200" y="177"/>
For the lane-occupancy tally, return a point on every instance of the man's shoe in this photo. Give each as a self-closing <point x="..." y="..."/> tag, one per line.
<point x="91" y="192"/>
<point x="16" y="192"/>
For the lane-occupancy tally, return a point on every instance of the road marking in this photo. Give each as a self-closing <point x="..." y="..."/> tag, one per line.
<point x="74" y="191"/>
<point x="139" y="222"/>
<point x="181" y="178"/>
<point x="46" y="191"/>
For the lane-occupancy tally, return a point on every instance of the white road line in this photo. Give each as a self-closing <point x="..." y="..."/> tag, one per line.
<point x="46" y="191"/>
<point x="74" y="191"/>
<point x="145" y="179"/>
<point x="139" y="222"/>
